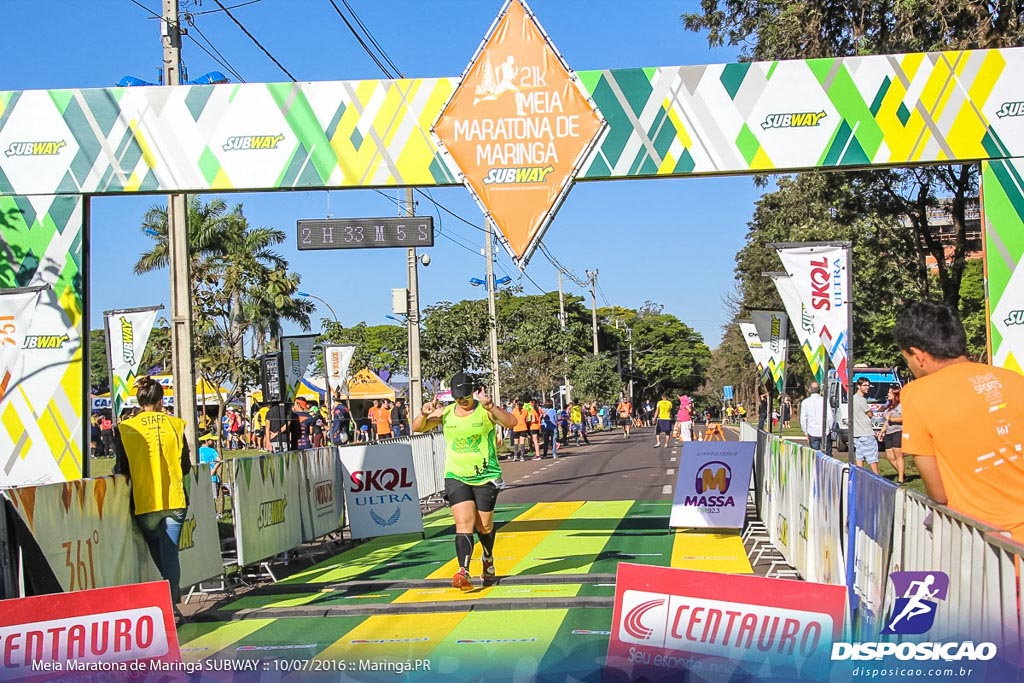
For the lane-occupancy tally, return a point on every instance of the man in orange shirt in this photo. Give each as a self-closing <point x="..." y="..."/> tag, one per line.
<point x="625" y="413"/>
<point x="382" y="418"/>
<point x="962" y="421"/>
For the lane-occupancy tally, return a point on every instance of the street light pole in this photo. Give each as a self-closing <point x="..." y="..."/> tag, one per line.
<point x="314" y="296"/>
<point x="183" y="364"/>
<point x="413" y="312"/>
<point x="492" y="316"/>
<point x="592" y="278"/>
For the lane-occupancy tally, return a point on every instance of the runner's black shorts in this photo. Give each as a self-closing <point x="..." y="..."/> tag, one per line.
<point x="517" y="434"/>
<point x="663" y="427"/>
<point x="894" y="440"/>
<point x="485" y="495"/>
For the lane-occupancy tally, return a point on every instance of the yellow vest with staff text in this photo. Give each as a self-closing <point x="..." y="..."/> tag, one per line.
<point x="153" y="443"/>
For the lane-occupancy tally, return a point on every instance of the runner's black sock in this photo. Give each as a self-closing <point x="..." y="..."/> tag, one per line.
<point x="487" y="543"/>
<point x="464" y="549"/>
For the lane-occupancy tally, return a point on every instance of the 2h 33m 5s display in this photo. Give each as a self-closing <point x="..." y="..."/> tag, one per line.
<point x="363" y="233"/>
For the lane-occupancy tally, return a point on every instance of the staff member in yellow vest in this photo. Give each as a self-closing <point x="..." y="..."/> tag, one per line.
<point x="152" y="452"/>
<point x="471" y="469"/>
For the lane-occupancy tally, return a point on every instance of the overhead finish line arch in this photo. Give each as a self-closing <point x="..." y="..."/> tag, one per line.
<point x="58" y="147"/>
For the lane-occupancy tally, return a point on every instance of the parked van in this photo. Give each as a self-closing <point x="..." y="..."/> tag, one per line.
<point x="882" y="379"/>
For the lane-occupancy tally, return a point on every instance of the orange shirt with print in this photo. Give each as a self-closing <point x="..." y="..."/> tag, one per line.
<point x="382" y="418"/>
<point x="971" y="418"/>
<point x="534" y="424"/>
<point x="520" y="415"/>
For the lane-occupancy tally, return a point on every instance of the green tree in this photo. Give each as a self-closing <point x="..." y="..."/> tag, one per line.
<point x="382" y="348"/>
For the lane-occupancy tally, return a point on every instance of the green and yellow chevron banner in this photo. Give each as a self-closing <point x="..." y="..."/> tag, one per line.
<point x="1003" y="215"/>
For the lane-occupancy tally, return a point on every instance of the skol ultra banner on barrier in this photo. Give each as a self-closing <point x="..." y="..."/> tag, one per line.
<point x="827" y="553"/>
<point x="669" y="623"/>
<point x="872" y="513"/>
<point x="518" y="127"/>
<point x="337" y="358"/>
<point x="806" y="331"/>
<point x="127" y="335"/>
<point x="199" y="545"/>
<point x="380" y="489"/>
<point x="819" y="273"/>
<point x="772" y="329"/>
<point x="1003" y="195"/>
<point x="106" y="634"/>
<point x="40" y="389"/>
<point x="266" y="504"/>
<point x="758" y="351"/>
<point x="298" y="351"/>
<point x="323" y="493"/>
<point x="84" y="529"/>
<point x="711" y="484"/>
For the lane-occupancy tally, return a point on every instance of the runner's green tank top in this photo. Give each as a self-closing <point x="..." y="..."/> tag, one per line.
<point x="471" y="454"/>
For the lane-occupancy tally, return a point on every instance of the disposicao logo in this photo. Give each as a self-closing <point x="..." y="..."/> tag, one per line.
<point x="35" y="149"/>
<point x="914" y="612"/>
<point x="243" y="142"/>
<point x="807" y="119"/>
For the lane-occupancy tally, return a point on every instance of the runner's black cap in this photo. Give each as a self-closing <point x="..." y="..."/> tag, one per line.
<point x="462" y="385"/>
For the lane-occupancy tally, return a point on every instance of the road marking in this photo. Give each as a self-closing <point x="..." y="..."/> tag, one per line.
<point x="666" y="489"/>
<point x="670" y="472"/>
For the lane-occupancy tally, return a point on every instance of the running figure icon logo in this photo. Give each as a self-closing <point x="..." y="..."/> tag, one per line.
<point x="914" y="612"/>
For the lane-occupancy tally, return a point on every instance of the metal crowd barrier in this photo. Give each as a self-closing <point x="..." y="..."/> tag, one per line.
<point x="427" y="462"/>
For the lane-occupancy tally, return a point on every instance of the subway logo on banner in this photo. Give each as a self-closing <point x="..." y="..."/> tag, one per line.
<point x="35" y="149"/>
<point x="808" y="119"/>
<point x="518" y="176"/>
<point x="243" y="142"/>
<point x="271" y="513"/>
<point x="45" y="341"/>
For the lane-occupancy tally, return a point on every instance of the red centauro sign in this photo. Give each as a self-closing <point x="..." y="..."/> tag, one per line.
<point x="667" y="621"/>
<point x="116" y="633"/>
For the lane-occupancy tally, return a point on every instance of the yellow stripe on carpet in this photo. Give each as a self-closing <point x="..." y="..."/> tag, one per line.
<point x="401" y="636"/>
<point x="710" y="552"/>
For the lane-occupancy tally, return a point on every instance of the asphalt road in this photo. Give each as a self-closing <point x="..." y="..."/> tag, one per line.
<point x="611" y="468"/>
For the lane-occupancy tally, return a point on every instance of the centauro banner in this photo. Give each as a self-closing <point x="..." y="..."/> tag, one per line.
<point x="518" y="127"/>
<point x="297" y="353"/>
<point x="806" y="332"/>
<point x="84" y="529"/>
<point x="265" y="501"/>
<point x="127" y="336"/>
<point x="40" y="389"/>
<point x="380" y="489"/>
<point x="337" y="358"/>
<point x="323" y="493"/>
<point x="757" y="349"/>
<point x="822" y="281"/>
<point x="774" y="334"/>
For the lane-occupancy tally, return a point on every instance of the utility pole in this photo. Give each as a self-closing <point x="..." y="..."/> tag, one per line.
<point x="561" y="318"/>
<point x="492" y="315"/>
<point x="592" y="279"/>
<point x="413" y="317"/>
<point x="183" y="370"/>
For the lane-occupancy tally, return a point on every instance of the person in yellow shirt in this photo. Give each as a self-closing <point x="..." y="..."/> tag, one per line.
<point x="963" y="422"/>
<point x="663" y="413"/>
<point x="152" y="452"/>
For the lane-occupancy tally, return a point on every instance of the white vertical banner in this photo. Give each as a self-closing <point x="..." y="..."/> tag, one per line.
<point x="773" y="330"/>
<point x="803" y="324"/>
<point x="127" y="335"/>
<point x="820" y="275"/>
<point x="337" y="358"/>
<point x="757" y="349"/>
<point x="41" y="436"/>
<point x="827" y="553"/>
<point x="298" y="351"/>
<point x="323" y="497"/>
<point x="380" y="489"/>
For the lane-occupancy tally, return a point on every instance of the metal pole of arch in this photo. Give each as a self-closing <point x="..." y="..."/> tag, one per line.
<point x="183" y="365"/>
<point x="492" y="315"/>
<point x="413" y="319"/>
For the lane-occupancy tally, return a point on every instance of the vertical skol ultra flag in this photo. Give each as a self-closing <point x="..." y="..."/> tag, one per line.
<point x="772" y="328"/>
<point x="127" y="335"/>
<point x="822" y="281"/>
<point x="297" y="353"/>
<point x="806" y="332"/>
<point x="757" y="349"/>
<point x="337" y="358"/>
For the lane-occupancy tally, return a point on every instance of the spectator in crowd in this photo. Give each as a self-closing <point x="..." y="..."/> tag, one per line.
<point x="316" y="425"/>
<point x="94" y="435"/>
<point x="382" y="420"/>
<point x="259" y="427"/>
<point x="471" y="470"/>
<point x="549" y="430"/>
<point x="891" y="434"/>
<point x="341" y="420"/>
<point x="371" y="415"/>
<point x="153" y="453"/>
<point x="532" y="425"/>
<point x="278" y="429"/>
<point x="298" y="425"/>
<point x="812" y="419"/>
<point x="762" y="411"/>
<point x="664" y="421"/>
<point x="787" y="411"/>
<point x="208" y="455"/>
<point x="648" y="414"/>
<point x="578" y="423"/>
<point x="963" y="422"/>
<point x="624" y="411"/>
<point x="107" y="434"/>
<point x="399" y="419"/>
<point x="520" y="431"/>
<point x="563" y="426"/>
<point x="684" y="418"/>
<point x="865" y="443"/>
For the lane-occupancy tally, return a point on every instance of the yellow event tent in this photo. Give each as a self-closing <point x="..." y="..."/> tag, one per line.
<point x="365" y="385"/>
<point x="206" y="394"/>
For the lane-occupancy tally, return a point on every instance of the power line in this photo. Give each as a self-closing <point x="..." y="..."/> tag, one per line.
<point x="359" y="38"/>
<point x="223" y="61"/>
<point x="253" y="39"/>
<point x="214" y="11"/>
<point x="372" y="39"/>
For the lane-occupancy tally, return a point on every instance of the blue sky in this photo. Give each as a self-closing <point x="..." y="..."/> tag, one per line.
<point x="669" y="241"/>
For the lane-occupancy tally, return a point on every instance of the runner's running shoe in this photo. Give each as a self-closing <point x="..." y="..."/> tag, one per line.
<point x="489" y="576"/>
<point x="462" y="581"/>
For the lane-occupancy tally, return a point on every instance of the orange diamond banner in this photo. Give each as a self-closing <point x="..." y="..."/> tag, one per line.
<point x="518" y="127"/>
